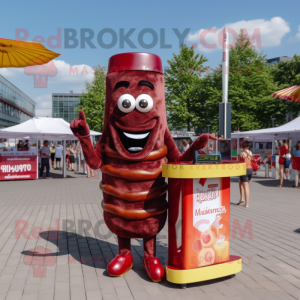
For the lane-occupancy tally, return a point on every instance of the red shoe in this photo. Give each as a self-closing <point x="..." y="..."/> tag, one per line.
<point x="154" y="269"/>
<point x="120" y="265"/>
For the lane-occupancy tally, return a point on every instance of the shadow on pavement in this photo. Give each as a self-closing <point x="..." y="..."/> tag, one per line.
<point x="274" y="183"/>
<point x="96" y="253"/>
<point x="82" y="250"/>
<point x="89" y="251"/>
<point x="57" y="174"/>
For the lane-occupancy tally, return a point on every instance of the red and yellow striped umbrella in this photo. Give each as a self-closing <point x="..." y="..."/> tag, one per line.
<point x="291" y="94"/>
<point x="20" y="54"/>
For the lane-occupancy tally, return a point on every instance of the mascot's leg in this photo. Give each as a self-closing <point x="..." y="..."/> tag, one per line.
<point x="123" y="261"/>
<point x="152" y="264"/>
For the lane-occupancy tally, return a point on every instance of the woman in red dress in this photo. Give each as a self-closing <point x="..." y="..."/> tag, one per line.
<point x="284" y="161"/>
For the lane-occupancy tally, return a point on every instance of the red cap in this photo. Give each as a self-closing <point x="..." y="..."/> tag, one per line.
<point x="135" y="61"/>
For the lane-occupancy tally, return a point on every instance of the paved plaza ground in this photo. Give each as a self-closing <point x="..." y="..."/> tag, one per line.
<point x="271" y="257"/>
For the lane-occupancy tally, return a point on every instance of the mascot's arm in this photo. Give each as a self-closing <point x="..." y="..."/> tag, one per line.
<point x="81" y="129"/>
<point x="173" y="152"/>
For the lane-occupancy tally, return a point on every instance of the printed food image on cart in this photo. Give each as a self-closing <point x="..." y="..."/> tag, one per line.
<point x="211" y="203"/>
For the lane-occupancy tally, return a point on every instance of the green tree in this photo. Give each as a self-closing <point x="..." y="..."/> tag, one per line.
<point x="92" y="100"/>
<point x="287" y="73"/>
<point x="183" y="80"/>
<point x="251" y="85"/>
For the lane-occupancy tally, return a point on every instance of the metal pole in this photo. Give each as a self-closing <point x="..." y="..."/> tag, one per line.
<point x="37" y="157"/>
<point x="64" y="162"/>
<point x="273" y="144"/>
<point x="225" y="121"/>
<point x="273" y="170"/>
<point x="225" y="73"/>
<point x="273" y="119"/>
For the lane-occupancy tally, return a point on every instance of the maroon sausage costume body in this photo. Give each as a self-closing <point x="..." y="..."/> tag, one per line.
<point x="134" y="144"/>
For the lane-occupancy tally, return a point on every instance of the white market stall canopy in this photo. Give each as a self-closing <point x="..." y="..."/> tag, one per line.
<point x="42" y="128"/>
<point x="287" y="131"/>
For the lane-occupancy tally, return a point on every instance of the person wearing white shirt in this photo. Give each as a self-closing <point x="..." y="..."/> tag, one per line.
<point x="58" y="155"/>
<point x="185" y="145"/>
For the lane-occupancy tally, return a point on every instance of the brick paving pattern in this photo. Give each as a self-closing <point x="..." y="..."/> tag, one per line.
<point x="83" y="245"/>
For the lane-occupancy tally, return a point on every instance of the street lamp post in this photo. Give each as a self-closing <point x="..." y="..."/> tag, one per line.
<point x="208" y="128"/>
<point x="273" y="119"/>
<point x="225" y="106"/>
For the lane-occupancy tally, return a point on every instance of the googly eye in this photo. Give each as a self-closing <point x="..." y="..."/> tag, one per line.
<point x="144" y="103"/>
<point x="36" y="68"/>
<point x="126" y="103"/>
<point x="45" y="68"/>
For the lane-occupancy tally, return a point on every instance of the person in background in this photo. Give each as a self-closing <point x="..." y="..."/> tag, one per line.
<point x="52" y="151"/>
<point x="211" y="146"/>
<point x="296" y="153"/>
<point x="68" y="156"/>
<point x="39" y="155"/>
<point x="284" y="162"/>
<point x="72" y="156"/>
<point x="83" y="161"/>
<point x="246" y="156"/>
<point x="26" y="146"/>
<point x="90" y="172"/>
<point x="58" y="154"/>
<point x="277" y="146"/>
<point x="185" y="145"/>
<point x="45" y="155"/>
<point x="20" y="145"/>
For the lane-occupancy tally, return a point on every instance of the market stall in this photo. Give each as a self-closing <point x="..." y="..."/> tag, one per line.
<point x="288" y="131"/>
<point x="18" y="161"/>
<point x="15" y="164"/>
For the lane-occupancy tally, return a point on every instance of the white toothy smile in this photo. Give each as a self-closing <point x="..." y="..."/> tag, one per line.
<point x="136" y="137"/>
<point x="133" y="142"/>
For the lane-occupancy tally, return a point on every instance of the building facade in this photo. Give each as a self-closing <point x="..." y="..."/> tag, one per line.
<point x="64" y="105"/>
<point x="15" y="106"/>
<point x="277" y="60"/>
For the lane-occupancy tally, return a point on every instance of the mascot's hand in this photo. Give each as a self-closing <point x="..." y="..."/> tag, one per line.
<point x="202" y="140"/>
<point x="79" y="126"/>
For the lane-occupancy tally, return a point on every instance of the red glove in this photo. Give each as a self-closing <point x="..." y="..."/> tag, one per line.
<point x="198" y="144"/>
<point x="79" y="126"/>
<point x="202" y="140"/>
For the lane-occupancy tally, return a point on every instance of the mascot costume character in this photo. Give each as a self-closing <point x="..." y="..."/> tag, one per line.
<point x="135" y="142"/>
